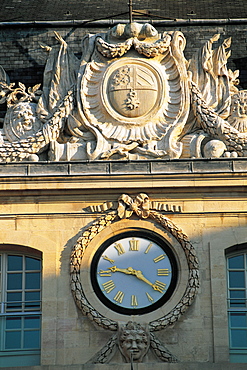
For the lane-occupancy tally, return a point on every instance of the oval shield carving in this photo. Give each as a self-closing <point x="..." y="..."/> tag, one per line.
<point x="132" y="90"/>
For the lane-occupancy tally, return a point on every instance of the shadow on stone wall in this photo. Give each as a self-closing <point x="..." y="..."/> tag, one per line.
<point x="29" y="76"/>
<point x="241" y="65"/>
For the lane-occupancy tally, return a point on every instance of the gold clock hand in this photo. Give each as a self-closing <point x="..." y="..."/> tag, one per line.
<point x="138" y="274"/>
<point x="156" y="287"/>
<point x="127" y="271"/>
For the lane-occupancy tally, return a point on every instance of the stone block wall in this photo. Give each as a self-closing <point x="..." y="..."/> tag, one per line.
<point x="56" y="210"/>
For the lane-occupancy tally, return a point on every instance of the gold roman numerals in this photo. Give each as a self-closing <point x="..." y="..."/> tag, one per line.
<point x="108" y="259"/>
<point x="134" y="302"/>
<point x="127" y="270"/>
<point x="148" y="248"/>
<point x="159" y="258"/>
<point x="119" y="248"/>
<point x="104" y="273"/>
<point x="119" y="297"/>
<point x="161" y="285"/>
<point x="108" y="286"/>
<point x="134" y="244"/>
<point x="149" y="297"/>
<point x="163" y="272"/>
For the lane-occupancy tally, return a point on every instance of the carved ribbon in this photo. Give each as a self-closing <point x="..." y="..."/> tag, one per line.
<point x="140" y="205"/>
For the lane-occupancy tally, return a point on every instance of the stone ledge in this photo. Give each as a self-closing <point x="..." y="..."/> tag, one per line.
<point x="187" y="174"/>
<point x="141" y="366"/>
<point x="84" y="168"/>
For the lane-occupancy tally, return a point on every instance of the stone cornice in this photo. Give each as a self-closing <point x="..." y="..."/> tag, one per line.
<point x="184" y="174"/>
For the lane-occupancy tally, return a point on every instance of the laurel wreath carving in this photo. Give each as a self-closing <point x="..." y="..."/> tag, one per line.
<point x="214" y="125"/>
<point x="160" y="350"/>
<point x="75" y="263"/>
<point x="104" y="355"/>
<point x="141" y="206"/>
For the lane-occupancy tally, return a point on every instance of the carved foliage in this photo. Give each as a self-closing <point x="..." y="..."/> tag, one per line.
<point x="132" y="100"/>
<point x="150" y="50"/>
<point x="75" y="262"/>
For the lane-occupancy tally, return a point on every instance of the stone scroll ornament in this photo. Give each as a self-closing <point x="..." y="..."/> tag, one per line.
<point x="132" y="95"/>
<point x="141" y="206"/>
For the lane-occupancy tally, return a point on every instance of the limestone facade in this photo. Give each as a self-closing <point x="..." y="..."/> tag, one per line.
<point x="47" y="206"/>
<point x="147" y="142"/>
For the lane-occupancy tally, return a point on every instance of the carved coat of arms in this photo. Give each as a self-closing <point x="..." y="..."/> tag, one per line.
<point x="133" y="95"/>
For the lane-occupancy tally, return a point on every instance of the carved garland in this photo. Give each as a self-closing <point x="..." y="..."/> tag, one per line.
<point x="140" y="205"/>
<point x="107" y="352"/>
<point x="118" y="50"/>
<point x="216" y="126"/>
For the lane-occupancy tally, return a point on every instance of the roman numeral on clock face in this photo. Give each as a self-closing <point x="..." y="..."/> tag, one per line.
<point x="134" y="302"/>
<point x="163" y="272"/>
<point x="159" y="258"/>
<point x="161" y="285"/>
<point x="109" y="286"/>
<point x="134" y="244"/>
<point x="149" y="297"/>
<point x="148" y="248"/>
<point x="108" y="259"/>
<point x="103" y="273"/>
<point x="119" y="248"/>
<point x="119" y="297"/>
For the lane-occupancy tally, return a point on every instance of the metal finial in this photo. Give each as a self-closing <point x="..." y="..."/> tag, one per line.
<point x="130" y="11"/>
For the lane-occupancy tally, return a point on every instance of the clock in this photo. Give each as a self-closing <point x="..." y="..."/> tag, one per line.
<point x="134" y="273"/>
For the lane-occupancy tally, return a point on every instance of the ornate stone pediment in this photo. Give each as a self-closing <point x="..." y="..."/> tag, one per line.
<point x="133" y="95"/>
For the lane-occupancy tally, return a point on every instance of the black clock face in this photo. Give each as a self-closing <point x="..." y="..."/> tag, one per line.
<point x="134" y="273"/>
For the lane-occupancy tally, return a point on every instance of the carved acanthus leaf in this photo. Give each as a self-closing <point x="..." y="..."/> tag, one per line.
<point x="13" y="95"/>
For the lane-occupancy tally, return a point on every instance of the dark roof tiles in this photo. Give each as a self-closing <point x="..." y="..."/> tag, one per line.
<point x="59" y="10"/>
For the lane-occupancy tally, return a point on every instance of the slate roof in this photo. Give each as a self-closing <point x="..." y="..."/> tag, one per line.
<point x="59" y="10"/>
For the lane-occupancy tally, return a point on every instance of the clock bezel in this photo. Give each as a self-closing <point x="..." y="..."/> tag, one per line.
<point x="150" y="307"/>
<point x="89" y="301"/>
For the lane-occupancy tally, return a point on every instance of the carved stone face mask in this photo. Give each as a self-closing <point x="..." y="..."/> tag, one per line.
<point x="133" y="342"/>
